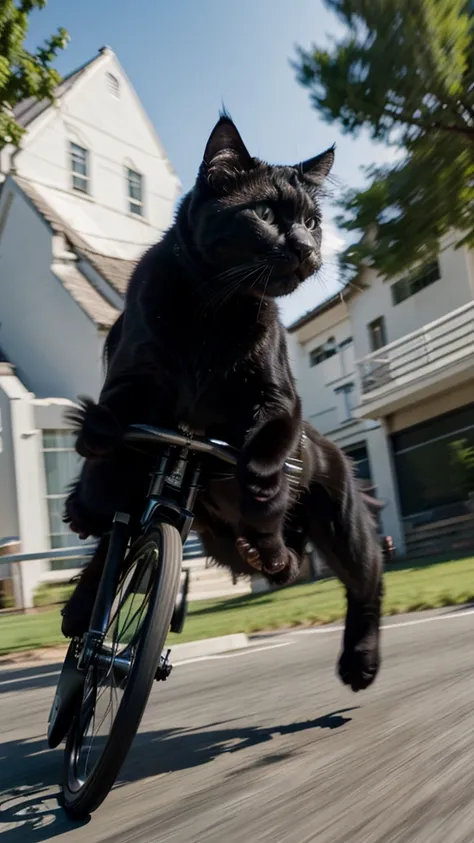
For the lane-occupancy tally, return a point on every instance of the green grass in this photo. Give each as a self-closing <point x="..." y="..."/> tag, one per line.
<point x="48" y="594"/>
<point x="409" y="588"/>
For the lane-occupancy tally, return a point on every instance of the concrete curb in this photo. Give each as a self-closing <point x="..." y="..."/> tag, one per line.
<point x="179" y="652"/>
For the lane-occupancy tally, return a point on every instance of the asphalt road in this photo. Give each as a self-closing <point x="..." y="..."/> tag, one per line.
<point x="267" y="747"/>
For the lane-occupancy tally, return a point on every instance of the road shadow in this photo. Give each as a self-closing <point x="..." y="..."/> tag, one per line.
<point x="29" y="678"/>
<point x="30" y="809"/>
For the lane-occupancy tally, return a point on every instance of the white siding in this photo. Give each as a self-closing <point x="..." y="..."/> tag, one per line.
<point x="454" y="289"/>
<point x="10" y="390"/>
<point x="316" y="384"/>
<point x="118" y="135"/>
<point x="54" y="345"/>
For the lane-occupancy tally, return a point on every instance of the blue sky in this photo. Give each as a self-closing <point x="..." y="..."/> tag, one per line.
<point x="187" y="57"/>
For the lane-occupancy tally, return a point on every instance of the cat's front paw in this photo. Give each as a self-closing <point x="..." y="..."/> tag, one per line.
<point x="98" y="431"/>
<point x="358" y="666"/>
<point x="272" y="560"/>
<point x="289" y="574"/>
<point x="360" y="660"/>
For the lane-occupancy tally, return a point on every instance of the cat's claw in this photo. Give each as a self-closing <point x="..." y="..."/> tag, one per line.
<point x="249" y="554"/>
<point x="252" y="556"/>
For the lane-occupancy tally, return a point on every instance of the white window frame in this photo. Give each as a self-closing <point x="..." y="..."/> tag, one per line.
<point x="135" y="206"/>
<point x="349" y="402"/>
<point x="64" y="538"/>
<point x="80" y="181"/>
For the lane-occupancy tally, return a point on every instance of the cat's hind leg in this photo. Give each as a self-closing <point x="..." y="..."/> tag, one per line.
<point x="342" y="529"/>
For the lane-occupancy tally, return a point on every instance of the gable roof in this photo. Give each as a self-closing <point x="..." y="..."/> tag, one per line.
<point x="85" y="294"/>
<point x="116" y="271"/>
<point x="30" y="108"/>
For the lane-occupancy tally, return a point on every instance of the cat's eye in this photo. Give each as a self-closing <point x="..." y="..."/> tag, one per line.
<point x="265" y="212"/>
<point x="311" y="223"/>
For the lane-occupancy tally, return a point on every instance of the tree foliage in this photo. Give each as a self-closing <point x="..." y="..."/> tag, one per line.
<point x="404" y="70"/>
<point x="22" y="73"/>
<point x="462" y="461"/>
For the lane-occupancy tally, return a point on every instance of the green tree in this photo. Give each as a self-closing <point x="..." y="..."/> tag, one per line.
<point x="404" y="70"/>
<point x="462" y="462"/>
<point x="22" y="73"/>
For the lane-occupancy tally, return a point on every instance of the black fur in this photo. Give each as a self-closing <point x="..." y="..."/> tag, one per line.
<point x="200" y="343"/>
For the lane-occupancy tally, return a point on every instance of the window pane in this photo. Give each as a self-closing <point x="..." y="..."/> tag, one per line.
<point x="61" y="468"/>
<point x="377" y="335"/>
<point x="435" y="474"/>
<point x="360" y="459"/>
<point x="454" y="422"/>
<point x="135" y="188"/>
<point x="79" y="168"/>
<point x="135" y="191"/>
<point x="61" y="463"/>
<point x="415" y="281"/>
<point x="136" y="209"/>
<point x="49" y="438"/>
<point x="81" y="184"/>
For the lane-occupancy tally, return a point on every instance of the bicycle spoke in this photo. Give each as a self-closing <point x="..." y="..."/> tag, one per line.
<point x="98" y="712"/>
<point x="108" y="715"/>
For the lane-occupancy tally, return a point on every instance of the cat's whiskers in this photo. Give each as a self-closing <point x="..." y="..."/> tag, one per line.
<point x="237" y="284"/>
<point x="236" y="276"/>
<point x="267" y="278"/>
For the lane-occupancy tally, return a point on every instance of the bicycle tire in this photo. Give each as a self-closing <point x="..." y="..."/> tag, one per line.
<point x="80" y="803"/>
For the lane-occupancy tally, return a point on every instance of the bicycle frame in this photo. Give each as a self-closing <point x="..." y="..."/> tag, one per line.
<point x="171" y="496"/>
<point x="172" y="492"/>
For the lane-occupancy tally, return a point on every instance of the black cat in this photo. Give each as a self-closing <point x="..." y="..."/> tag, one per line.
<point x="200" y="343"/>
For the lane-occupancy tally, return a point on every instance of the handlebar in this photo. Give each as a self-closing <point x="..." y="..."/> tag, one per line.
<point x="144" y="434"/>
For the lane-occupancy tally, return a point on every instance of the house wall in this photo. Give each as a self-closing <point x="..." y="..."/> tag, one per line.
<point x="30" y="488"/>
<point x="118" y="134"/>
<point x="10" y="389"/>
<point x="316" y="384"/>
<point x="454" y="289"/>
<point x="443" y="402"/>
<point x="55" y="346"/>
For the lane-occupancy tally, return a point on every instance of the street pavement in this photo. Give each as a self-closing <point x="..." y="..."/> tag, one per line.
<point x="266" y="746"/>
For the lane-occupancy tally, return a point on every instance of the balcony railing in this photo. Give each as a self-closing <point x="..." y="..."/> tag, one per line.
<point x="445" y="342"/>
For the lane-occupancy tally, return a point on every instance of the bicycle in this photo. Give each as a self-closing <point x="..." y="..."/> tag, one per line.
<point x="113" y="667"/>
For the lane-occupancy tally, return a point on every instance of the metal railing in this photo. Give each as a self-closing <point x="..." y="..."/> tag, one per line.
<point x="11" y="555"/>
<point x="439" y="344"/>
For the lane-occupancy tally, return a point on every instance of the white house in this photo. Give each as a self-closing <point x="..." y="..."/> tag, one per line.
<point x="87" y="191"/>
<point x="325" y="367"/>
<point x="402" y="351"/>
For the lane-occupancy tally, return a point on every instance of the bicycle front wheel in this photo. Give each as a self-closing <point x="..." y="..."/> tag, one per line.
<point x="120" y="676"/>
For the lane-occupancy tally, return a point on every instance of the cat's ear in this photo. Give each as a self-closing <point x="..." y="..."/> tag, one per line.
<point x="226" y="154"/>
<point x="316" y="170"/>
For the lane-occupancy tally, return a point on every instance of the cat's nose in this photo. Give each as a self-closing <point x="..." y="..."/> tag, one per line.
<point x="301" y="242"/>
